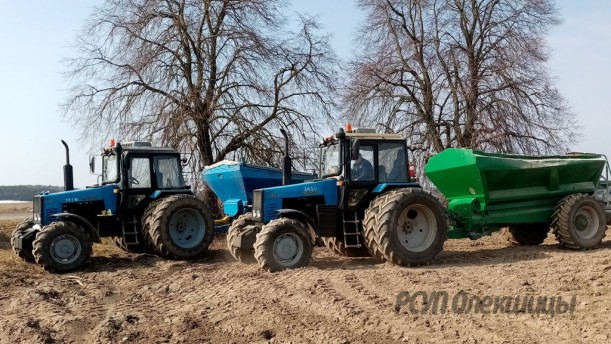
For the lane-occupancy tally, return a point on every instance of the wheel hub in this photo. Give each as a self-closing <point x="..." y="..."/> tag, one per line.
<point x="586" y="222"/>
<point x="581" y="222"/>
<point x="417" y="227"/>
<point x="65" y="249"/>
<point x="187" y="228"/>
<point x="288" y="249"/>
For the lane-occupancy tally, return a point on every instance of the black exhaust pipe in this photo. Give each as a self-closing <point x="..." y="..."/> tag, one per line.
<point x="286" y="161"/>
<point x="68" y="176"/>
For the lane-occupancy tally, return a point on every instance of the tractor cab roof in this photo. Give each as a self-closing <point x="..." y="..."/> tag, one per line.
<point x="374" y="136"/>
<point x="140" y="147"/>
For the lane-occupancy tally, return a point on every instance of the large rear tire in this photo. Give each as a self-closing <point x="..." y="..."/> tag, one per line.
<point x="243" y="255"/>
<point x="25" y="255"/>
<point x="338" y="247"/>
<point x="283" y="244"/>
<point x="579" y="222"/>
<point x="528" y="234"/>
<point x="409" y="225"/>
<point x="181" y="227"/>
<point x="62" y="246"/>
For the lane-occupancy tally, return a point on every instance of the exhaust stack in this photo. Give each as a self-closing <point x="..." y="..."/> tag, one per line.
<point x="68" y="176"/>
<point x="286" y="161"/>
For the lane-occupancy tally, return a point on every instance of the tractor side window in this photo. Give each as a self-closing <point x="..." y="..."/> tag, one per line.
<point x="391" y="159"/>
<point x="140" y="173"/>
<point x="362" y="167"/>
<point x="167" y="172"/>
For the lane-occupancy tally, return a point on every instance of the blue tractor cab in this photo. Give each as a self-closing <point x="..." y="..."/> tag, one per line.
<point x="365" y="202"/>
<point x="142" y="202"/>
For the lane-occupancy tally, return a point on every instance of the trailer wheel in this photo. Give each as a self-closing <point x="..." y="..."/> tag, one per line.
<point x="62" y="246"/>
<point x="528" y="234"/>
<point x="181" y="227"/>
<point x="283" y="244"/>
<point x="579" y="222"/>
<point x="25" y="255"/>
<point x="410" y="226"/>
<point x="338" y="247"/>
<point x="243" y="255"/>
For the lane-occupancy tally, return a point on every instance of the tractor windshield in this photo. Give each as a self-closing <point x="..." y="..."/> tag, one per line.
<point x="110" y="169"/>
<point x="330" y="162"/>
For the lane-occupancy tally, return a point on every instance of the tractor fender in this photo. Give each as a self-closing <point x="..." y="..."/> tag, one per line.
<point x="95" y="237"/>
<point x="300" y="216"/>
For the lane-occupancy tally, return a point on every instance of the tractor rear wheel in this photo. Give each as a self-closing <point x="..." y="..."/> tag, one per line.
<point x="181" y="227"/>
<point x="528" y="234"/>
<point x="579" y="222"/>
<point x="243" y="255"/>
<point x="283" y="244"/>
<point x="409" y="225"/>
<point x="25" y="255"/>
<point x="338" y="247"/>
<point x="62" y="246"/>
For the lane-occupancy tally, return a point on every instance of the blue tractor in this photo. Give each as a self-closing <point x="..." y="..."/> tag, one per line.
<point x="142" y="202"/>
<point x="365" y="202"/>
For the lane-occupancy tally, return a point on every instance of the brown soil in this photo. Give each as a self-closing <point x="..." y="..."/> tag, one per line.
<point x="15" y="211"/>
<point x="123" y="297"/>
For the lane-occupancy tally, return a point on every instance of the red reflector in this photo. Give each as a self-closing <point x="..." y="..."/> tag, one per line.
<point x="412" y="169"/>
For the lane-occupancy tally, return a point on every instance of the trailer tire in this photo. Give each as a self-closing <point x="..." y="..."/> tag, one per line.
<point x="62" y="246"/>
<point x="283" y="244"/>
<point x="528" y="234"/>
<point x="181" y="227"/>
<point x="338" y="247"/>
<point x="25" y="255"/>
<point x="579" y="222"/>
<point x="243" y="255"/>
<point x="401" y="217"/>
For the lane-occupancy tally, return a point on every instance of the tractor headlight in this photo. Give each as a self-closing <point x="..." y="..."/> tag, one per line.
<point x="257" y="204"/>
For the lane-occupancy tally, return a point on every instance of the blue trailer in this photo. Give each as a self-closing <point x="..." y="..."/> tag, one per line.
<point x="234" y="182"/>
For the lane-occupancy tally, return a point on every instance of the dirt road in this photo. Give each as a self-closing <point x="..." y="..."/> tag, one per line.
<point x="139" y="298"/>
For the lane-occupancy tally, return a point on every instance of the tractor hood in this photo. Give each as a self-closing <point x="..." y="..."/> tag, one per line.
<point x="276" y="198"/>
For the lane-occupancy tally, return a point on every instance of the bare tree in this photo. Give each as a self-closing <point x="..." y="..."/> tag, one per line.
<point x="213" y="77"/>
<point x="466" y="73"/>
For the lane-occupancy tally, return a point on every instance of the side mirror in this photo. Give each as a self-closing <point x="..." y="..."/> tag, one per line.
<point x="415" y="147"/>
<point x="356" y="145"/>
<point x="92" y="164"/>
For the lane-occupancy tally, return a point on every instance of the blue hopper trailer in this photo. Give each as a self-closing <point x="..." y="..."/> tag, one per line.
<point x="234" y="182"/>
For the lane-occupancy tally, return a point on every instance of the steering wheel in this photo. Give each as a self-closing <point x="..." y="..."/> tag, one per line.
<point x="134" y="181"/>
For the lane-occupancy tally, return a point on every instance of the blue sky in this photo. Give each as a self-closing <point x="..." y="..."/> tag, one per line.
<point x="35" y="35"/>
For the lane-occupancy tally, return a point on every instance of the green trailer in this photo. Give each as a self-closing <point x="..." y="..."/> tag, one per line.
<point x="527" y="194"/>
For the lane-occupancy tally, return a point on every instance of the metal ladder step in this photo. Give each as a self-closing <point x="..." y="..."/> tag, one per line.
<point x="130" y="237"/>
<point x="353" y="231"/>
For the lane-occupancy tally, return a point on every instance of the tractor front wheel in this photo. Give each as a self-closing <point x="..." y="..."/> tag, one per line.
<point x="181" y="227"/>
<point x="410" y="226"/>
<point x="62" y="246"/>
<point x="283" y="244"/>
<point x="25" y="255"/>
<point x="579" y="222"/>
